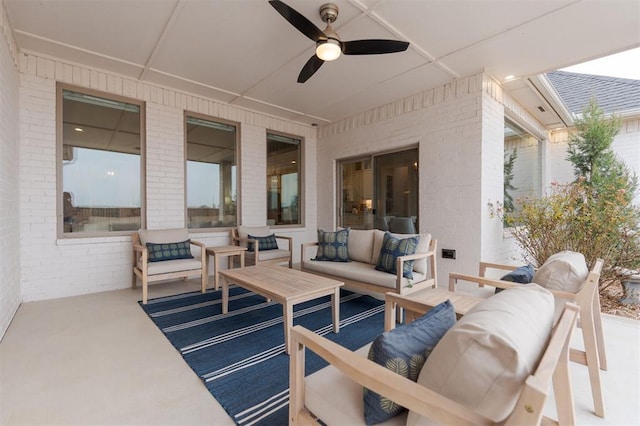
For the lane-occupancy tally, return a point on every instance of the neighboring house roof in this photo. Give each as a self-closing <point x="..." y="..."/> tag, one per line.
<point x="613" y="95"/>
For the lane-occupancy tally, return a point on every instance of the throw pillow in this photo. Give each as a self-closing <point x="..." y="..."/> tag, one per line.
<point x="264" y="243"/>
<point x="484" y="359"/>
<point x="332" y="246"/>
<point x="404" y="350"/>
<point x="392" y="248"/>
<point x="522" y="275"/>
<point x="169" y="251"/>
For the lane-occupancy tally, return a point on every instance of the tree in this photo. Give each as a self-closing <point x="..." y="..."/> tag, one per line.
<point x="509" y="161"/>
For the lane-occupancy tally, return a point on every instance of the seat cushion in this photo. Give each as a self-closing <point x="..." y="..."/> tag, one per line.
<point x="337" y="400"/>
<point x="392" y="248"/>
<point x="404" y="350"/>
<point x="173" y="266"/>
<point x="163" y="235"/>
<point x="268" y="255"/>
<point x="483" y="360"/>
<point x="159" y="252"/>
<point x="332" y="246"/>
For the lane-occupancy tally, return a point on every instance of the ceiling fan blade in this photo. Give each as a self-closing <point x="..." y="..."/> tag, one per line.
<point x="373" y="47"/>
<point x="303" y="25"/>
<point x="313" y="64"/>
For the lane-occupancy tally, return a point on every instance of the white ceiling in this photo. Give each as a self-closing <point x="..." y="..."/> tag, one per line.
<point x="244" y="53"/>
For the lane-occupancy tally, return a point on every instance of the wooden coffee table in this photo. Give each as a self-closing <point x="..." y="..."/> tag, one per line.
<point x="285" y="286"/>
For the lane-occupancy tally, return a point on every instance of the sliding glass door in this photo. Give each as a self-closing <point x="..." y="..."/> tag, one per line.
<point x="376" y="188"/>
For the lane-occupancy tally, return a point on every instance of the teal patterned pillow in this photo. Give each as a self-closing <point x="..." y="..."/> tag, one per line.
<point x="404" y="351"/>
<point x="169" y="251"/>
<point x="392" y="248"/>
<point x="332" y="246"/>
<point x="264" y="243"/>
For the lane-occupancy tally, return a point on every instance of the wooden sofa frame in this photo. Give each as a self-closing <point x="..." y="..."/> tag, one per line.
<point x="552" y="369"/>
<point x="430" y="255"/>
<point x="140" y="253"/>
<point x="590" y="320"/>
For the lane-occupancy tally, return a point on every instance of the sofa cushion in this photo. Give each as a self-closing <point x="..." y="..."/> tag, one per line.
<point x="264" y="243"/>
<point x="332" y="246"/>
<point x="163" y="235"/>
<point x="337" y="400"/>
<point x="358" y="271"/>
<point x="360" y="245"/>
<point x="404" y="350"/>
<point x="483" y="360"/>
<point x="392" y="248"/>
<point x="158" y="252"/>
<point x="566" y="271"/>
<point x="521" y="275"/>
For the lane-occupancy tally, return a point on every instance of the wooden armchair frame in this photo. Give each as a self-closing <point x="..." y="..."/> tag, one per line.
<point x="590" y="320"/>
<point x="553" y="368"/>
<point x="141" y="256"/>
<point x="236" y="239"/>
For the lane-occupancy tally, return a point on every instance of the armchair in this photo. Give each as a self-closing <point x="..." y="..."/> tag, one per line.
<point x="590" y="319"/>
<point x="177" y="263"/>
<point x="248" y="236"/>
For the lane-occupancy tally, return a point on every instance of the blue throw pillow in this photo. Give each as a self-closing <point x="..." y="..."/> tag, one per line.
<point x="264" y="243"/>
<point x="522" y="275"/>
<point x="392" y="248"/>
<point x="169" y="251"/>
<point x="332" y="246"/>
<point x="404" y="350"/>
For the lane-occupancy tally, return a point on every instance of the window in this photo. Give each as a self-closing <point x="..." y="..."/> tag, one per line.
<point x="380" y="187"/>
<point x="100" y="173"/>
<point x="522" y="165"/>
<point x="211" y="172"/>
<point x="284" y="156"/>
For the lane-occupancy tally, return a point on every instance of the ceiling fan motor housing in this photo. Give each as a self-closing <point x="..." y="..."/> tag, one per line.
<point x="328" y="12"/>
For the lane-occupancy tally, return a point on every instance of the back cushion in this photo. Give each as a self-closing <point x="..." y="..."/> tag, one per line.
<point x="163" y="235"/>
<point x="565" y="271"/>
<point x="483" y="361"/>
<point x="360" y="245"/>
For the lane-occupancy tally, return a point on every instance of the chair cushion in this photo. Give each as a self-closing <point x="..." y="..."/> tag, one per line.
<point x="404" y="350"/>
<point x="163" y="235"/>
<point x="392" y="248"/>
<point x="566" y="271"/>
<point x="159" y="252"/>
<point x="332" y="246"/>
<point x="268" y="255"/>
<point x="178" y="265"/>
<point x="483" y="360"/>
<point x="521" y="275"/>
<point x="264" y="243"/>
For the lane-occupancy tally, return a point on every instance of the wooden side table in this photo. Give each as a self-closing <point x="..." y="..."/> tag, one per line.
<point x="223" y="251"/>
<point x="421" y="301"/>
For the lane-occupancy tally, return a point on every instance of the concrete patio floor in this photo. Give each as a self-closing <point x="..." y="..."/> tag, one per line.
<point x="98" y="359"/>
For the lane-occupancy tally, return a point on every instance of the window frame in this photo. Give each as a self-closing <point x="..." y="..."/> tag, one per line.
<point x="60" y="88"/>
<point x="301" y="179"/>
<point x="187" y="113"/>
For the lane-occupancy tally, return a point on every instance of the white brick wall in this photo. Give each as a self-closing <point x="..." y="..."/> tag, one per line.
<point x="9" y="183"/>
<point x="54" y="268"/>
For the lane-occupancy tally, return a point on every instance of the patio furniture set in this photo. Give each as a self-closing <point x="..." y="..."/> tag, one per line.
<point x="464" y="363"/>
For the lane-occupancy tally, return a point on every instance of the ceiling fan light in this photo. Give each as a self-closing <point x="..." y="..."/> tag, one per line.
<point x="329" y="50"/>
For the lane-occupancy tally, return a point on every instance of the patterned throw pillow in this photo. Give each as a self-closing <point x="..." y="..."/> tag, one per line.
<point x="522" y="275"/>
<point x="392" y="248"/>
<point x="404" y="350"/>
<point x="169" y="251"/>
<point x="264" y="243"/>
<point x="332" y="246"/>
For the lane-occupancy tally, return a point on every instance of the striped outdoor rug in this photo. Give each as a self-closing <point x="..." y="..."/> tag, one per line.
<point x="240" y="356"/>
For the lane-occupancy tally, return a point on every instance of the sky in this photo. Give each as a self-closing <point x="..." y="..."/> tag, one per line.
<point x="623" y="65"/>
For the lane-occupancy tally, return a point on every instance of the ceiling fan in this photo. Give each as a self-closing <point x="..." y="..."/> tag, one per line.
<point x="329" y="47"/>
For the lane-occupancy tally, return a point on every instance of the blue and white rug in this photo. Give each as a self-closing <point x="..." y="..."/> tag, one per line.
<point x="240" y="356"/>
